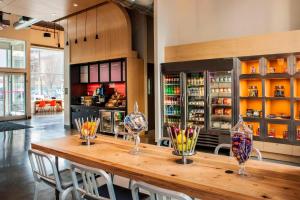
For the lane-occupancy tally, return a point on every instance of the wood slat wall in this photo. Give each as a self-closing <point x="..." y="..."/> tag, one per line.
<point x="273" y="43"/>
<point x="114" y="30"/>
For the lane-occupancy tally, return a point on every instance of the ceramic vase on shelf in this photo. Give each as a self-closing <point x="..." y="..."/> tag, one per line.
<point x="87" y="129"/>
<point x="135" y="123"/>
<point x="241" y="143"/>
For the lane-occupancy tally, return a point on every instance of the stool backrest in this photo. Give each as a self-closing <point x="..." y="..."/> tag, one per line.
<point x="228" y="146"/>
<point x="90" y="186"/>
<point x="42" y="103"/>
<point x="53" y="103"/>
<point x="44" y="168"/>
<point x="156" y="192"/>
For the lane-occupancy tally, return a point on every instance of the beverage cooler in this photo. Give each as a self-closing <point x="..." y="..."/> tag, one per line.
<point x="112" y="121"/>
<point x="200" y="93"/>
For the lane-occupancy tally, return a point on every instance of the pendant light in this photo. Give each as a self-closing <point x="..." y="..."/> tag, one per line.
<point x="76" y="31"/>
<point x="54" y="30"/>
<point x="84" y="39"/>
<point x="67" y="43"/>
<point x="58" y="35"/>
<point x="97" y="36"/>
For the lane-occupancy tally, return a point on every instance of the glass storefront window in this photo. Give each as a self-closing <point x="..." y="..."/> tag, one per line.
<point x="47" y="73"/>
<point x="12" y="54"/>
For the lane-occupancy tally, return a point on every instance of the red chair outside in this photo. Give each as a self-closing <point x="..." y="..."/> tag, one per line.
<point x="52" y="105"/>
<point x="42" y="106"/>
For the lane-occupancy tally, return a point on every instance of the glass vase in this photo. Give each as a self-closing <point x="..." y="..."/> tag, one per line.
<point x="241" y="144"/>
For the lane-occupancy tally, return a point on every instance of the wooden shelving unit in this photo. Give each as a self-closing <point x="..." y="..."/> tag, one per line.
<point x="279" y="118"/>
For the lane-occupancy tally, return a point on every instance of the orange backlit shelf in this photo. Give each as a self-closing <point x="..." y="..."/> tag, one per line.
<point x="279" y="131"/>
<point x="254" y="104"/>
<point x="298" y="63"/>
<point x="297" y="87"/>
<point x="246" y="85"/>
<point x="298" y="133"/>
<point x="277" y="107"/>
<point x="250" y="67"/>
<point x="297" y="110"/>
<point x="271" y="85"/>
<point x="255" y="127"/>
<point x="278" y="65"/>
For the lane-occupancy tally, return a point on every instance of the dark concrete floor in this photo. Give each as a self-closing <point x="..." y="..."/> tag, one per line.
<point x="16" y="180"/>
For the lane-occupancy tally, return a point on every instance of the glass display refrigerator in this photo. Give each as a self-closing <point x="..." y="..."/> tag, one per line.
<point x="112" y="121"/>
<point x="119" y="121"/>
<point x="220" y="100"/>
<point x="106" y="123"/>
<point x="199" y="93"/>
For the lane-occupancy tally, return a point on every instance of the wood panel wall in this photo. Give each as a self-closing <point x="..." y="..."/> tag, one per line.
<point x="115" y="41"/>
<point x="114" y="30"/>
<point x="273" y="43"/>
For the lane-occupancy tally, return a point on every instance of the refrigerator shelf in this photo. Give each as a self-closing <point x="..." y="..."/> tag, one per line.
<point x="167" y="84"/>
<point x="172" y="94"/>
<point x="221" y="116"/>
<point x="173" y="115"/>
<point x="191" y="86"/>
<point x="220" y="105"/>
<point x="195" y="121"/>
<point x="172" y="104"/>
<point x="200" y="106"/>
<point x="202" y="97"/>
<point x="221" y="96"/>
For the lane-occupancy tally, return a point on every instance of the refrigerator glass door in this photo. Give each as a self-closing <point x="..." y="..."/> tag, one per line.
<point x="195" y="92"/>
<point x="106" y="121"/>
<point x="119" y="121"/>
<point x="220" y="100"/>
<point x="171" y="100"/>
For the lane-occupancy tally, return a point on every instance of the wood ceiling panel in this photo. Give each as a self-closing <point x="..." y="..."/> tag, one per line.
<point x="43" y="9"/>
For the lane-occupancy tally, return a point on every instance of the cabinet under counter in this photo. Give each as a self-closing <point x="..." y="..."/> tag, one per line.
<point x="111" y="119"/>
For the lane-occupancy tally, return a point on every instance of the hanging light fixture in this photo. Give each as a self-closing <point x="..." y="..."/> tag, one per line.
<point x="67" y="43"/>
<point x="58" y="35"/>
<point x="54" y="30"/>
<point x="76" y="31"/>
<point x="84" y="39"/>
<point x="97" y="36"/>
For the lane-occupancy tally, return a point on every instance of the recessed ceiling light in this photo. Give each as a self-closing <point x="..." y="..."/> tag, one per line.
<point x="75" y="4"/>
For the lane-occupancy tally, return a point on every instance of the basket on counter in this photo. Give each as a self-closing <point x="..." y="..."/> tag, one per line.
<point x="184" y="142"/>
<point x="87" y="129"/>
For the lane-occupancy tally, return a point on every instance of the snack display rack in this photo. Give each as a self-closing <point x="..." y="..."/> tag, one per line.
<point x="269" y="91"/>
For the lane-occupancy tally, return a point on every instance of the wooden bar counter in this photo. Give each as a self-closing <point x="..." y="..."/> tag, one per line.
<point x="205" y="178"/>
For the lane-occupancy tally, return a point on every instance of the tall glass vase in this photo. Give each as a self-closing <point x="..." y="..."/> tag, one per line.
<point x="241" y="144"/>
<point x="135" y="123"/>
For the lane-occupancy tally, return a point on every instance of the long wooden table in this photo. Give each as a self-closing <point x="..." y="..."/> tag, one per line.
<point x="205" y="178"/>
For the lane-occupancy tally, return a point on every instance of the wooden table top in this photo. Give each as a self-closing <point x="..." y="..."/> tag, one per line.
<point x="205" y="178"/>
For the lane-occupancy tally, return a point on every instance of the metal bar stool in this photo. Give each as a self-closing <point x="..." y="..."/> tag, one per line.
<point x="92" y="190"/>
<point x="44" y="171"/>
<point x="156" y="192"/>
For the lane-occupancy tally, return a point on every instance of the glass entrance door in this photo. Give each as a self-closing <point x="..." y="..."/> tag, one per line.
<point x="12" y="95"/>
<point x="1" y="95"/>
